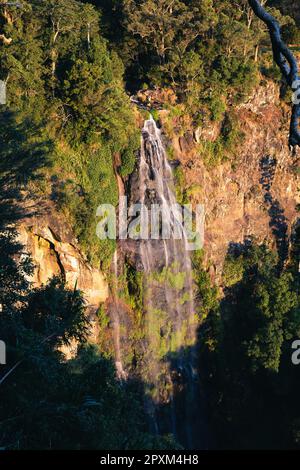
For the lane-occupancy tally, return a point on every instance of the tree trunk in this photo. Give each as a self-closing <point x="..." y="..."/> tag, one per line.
<point x="256" y="53"/>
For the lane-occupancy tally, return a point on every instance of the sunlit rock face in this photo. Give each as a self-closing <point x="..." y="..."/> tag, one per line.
<point x="251" y="192"/>
<point x="55" y="252"/>
<point x="238" y="200"/>
<point x="48" y="239"/>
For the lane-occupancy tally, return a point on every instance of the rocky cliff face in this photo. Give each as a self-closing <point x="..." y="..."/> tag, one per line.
<point x="256" y="192"/>
<point x="54" y="251"/>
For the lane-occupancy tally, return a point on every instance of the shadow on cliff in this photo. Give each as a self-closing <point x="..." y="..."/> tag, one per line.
<point x="242" y="393"/>
<point x="185" y="414"/>
<point x="278" y="221"/>
<point x="24" y="153"/>
<point x="246" y="372"/>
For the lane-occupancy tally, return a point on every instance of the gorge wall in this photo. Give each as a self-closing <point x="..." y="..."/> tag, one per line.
<point x="255" y="192"/>
<point x="54" y="251"/>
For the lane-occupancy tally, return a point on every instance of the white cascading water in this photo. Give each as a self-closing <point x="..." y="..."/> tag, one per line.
<point x="115" y="317"/>
<point x="167" y="358"/>
<point x="170" y="317"/>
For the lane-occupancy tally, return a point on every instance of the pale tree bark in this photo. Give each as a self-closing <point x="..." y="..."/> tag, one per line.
<point x="7" y="16"/>
<point x="287" y="63"/>
<point x="5" y="40"/>
<point x="56" y="30"/>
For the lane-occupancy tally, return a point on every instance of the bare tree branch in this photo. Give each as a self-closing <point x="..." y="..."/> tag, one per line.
<point x="287" y="63"/>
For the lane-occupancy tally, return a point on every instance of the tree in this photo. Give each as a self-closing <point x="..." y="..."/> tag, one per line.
<point x="47" y="402"/>
<point x="22" y="58"/>
<point x="287" y="63"/>
<point x="156" y="23"/>
<point x="245" y="354"/>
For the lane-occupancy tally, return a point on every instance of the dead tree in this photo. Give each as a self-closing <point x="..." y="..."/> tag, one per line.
<point x="287" y="63"/>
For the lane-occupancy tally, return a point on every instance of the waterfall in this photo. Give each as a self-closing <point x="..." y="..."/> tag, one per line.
<point x="115" y="317"/>
<point x="165" y="342"/>
<point x="170" y="316"/>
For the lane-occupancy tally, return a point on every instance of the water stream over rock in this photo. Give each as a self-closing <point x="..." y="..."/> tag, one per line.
<point x="169" y="295"/>
<point x="168" y="367"/>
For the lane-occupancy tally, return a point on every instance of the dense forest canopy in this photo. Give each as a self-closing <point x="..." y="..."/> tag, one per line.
<point x="70" y="67"/>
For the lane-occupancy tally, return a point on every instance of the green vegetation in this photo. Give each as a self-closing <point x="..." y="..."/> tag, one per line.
<point x="59" y="67"/>
<point x="47" y="402"/>
<point x="205" y="50"/>
<point x="225" y="146"/>
<point x="66" y="130"/>
<point x="70" y="85"/>
<point x="208" y="53"/>
<point x="171" y="277"/>
<point x="246" y="351"/>
<point x="128" y="156"/>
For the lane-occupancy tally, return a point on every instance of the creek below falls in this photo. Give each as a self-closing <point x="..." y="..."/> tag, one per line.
<point x="166" y="347"/>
